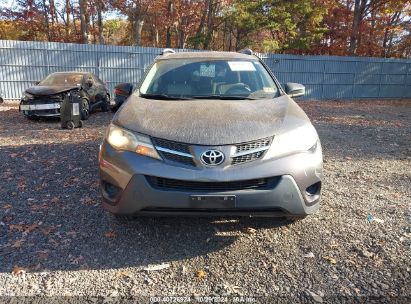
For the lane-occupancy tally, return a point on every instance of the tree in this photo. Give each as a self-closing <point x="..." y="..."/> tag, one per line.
<point x="208" y="23"/>
<point x="274" y="25"/>
<point x="84" y="21"/>
<point x="100" y="7"/>
<point x="136" y="12"/>
<point x="331" y="27"/>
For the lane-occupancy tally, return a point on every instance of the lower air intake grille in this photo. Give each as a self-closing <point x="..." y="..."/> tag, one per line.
<point x="184" y="185"/>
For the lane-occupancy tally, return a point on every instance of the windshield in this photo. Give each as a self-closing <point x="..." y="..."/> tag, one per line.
<point x="212" y="79"/>
<point x="62" y="79"/>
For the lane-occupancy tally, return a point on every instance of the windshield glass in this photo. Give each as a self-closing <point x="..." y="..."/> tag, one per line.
<point x="62" y="79"/>
<point x="212" y="79"/>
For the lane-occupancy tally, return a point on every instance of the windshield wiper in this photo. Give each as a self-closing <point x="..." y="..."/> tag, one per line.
<point x="223" y="97"/>
<point x="162" y="96"/>
<point x="215" y="96"/>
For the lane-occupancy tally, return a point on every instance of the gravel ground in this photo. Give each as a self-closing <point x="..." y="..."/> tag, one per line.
<point x="56" y="240"/>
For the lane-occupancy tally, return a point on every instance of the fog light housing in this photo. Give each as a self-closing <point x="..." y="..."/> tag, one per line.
<point x="111" y="192"/>
<point x="313" y="189"/>
<point x="312" y="192"/>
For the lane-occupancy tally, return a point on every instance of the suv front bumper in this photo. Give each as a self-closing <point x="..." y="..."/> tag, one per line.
<point x="127" y="191"/>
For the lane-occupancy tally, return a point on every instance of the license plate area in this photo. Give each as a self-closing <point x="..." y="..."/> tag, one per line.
<point x="213" y="201"/>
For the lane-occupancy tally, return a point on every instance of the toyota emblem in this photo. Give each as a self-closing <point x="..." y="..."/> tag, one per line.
<point x="212" y="158"/>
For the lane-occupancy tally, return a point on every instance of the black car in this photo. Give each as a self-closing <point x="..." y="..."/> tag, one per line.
<point x="44" y="99"/>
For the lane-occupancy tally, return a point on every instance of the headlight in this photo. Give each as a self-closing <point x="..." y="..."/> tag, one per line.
<point x="26" y="96"/>
<point x="122" y="139"/>
<point x="301" y="139"/>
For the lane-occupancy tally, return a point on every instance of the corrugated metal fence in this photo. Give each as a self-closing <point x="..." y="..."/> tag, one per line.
<point x="325" y="77"/>
<point x="334" y="77"/>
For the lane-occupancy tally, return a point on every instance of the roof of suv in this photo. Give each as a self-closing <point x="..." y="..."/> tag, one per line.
<point x="205" y="55"/>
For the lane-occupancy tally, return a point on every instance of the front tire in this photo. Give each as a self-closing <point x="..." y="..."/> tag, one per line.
<point x="85" y="109"/>
<point x="1" y="100"/>
<point x="106" y="104"/>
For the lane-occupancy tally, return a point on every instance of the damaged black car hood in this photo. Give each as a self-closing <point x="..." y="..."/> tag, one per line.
<point x="49" y="90"/>
<point x="206" y="122"/>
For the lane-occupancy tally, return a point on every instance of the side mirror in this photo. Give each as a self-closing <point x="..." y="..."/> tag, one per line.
<point x="123" y="89"/>
<point x="294" y="89"/>
<point x="89" y="83"/>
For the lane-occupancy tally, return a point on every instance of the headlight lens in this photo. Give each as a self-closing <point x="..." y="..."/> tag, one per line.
<point x="122" y="139"/>
<point x="26" y="96"/>
<point x="301" y="139"/>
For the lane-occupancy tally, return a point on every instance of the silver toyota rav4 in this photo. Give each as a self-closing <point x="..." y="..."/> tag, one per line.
<point x="211" y="133"/>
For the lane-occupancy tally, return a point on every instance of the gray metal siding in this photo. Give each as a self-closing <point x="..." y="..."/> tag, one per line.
<point x="325" y="77"/>
<point x="333" y="77"/>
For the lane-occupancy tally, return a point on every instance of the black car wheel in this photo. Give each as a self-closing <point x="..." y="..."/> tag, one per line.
<point x="106" y="104"/>
<point x="1" y="100"/>
<point x="85" y="109"/>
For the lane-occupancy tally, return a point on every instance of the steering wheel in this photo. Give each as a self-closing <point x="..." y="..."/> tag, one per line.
<point x="238" y="89"/>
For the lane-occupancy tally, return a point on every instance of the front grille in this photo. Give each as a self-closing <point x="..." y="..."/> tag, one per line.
<point x="245" y="152"/>
<point x="176" y="147"/>
<point x="46" y="99"/>
<point x="246" y="158"/>
<point x="177" y="158"/>
<point x="172" y="145"/>
<point x="260" y="145"/>
<point x="184" y="185"/>
<point x="253" y="145"/>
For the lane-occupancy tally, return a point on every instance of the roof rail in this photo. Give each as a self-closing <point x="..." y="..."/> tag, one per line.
<point x="246" y="51"/>
<point x="167" y="51"/>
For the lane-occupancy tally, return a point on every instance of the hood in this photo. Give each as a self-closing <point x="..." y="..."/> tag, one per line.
<point x="49" y="90"/>
<point x="204" y="122"/>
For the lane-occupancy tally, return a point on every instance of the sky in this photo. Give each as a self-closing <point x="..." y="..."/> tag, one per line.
<point x="9" y="3"/>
